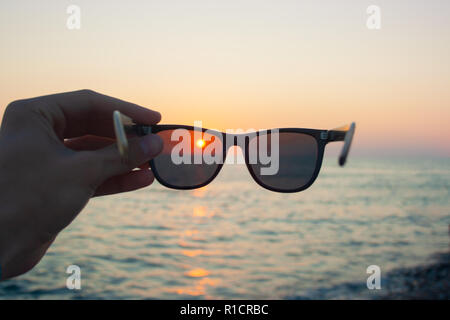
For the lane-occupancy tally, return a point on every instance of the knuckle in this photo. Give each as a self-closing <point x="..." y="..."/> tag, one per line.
<point x="90" y="96"/>
<point x="87" y="92"/>
<point x="15" y="106"/>
<point x="18" y="110"/>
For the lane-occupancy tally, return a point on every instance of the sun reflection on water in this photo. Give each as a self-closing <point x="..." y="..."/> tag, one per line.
<point x="198" y="289"/>
<point x="197" y="273"/>
<point x="200" y="192"/>
<point x="202" y="211"/>
<point x="192" y="253"/>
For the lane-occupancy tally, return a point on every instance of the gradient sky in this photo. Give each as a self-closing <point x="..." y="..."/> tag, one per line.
<point x="246" y="64"/>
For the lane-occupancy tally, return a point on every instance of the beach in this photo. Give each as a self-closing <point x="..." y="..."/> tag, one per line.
<point x="430" y="281"/>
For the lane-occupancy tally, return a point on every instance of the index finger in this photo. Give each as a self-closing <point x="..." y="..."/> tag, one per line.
<point x="88" y="112"/>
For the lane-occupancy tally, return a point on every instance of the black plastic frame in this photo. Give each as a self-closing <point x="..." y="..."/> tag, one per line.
<point x="322" y="137"/>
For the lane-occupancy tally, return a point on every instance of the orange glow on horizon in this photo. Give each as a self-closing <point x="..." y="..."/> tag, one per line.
<point x="234" y="74"/>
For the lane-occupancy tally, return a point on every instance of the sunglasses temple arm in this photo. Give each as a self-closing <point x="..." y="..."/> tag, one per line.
<point x="347" y="143"/>
<point x="124" y="125"/>
<point x="345" y="134"/>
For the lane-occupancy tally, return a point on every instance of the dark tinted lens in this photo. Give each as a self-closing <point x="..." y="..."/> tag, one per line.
<point x="189" y="159"/>
<point x="298" y="153"/>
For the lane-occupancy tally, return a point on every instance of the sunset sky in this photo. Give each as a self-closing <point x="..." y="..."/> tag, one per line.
<point x="247" y="64"/>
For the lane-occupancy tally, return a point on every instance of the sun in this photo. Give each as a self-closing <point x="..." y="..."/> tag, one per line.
<point x="200" y="143"/>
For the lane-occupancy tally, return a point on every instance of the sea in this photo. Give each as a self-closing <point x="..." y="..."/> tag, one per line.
<point x="235" y="240"/>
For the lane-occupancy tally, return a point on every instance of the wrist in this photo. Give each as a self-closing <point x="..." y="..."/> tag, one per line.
<point x="23" y="253"/>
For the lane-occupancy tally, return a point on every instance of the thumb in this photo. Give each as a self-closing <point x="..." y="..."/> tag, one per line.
<point x="140" y="150"/>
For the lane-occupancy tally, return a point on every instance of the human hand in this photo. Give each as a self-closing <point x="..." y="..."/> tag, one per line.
<point x="56" y="152"/>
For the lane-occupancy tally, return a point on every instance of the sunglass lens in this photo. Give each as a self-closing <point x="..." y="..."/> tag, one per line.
<point x="297" y="160"/>
<point x="189" y="158"/>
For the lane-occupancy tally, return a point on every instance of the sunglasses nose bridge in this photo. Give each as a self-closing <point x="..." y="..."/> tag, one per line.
<point x="236" y="140"/>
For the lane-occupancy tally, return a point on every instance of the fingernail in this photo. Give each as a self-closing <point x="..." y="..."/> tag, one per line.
<point x="151" y="144"/>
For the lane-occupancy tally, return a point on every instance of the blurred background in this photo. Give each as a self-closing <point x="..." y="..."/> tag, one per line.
<point x="250" y="64"/>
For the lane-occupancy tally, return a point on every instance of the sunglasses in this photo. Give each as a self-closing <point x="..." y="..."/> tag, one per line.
<point x="192" y="156"/>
